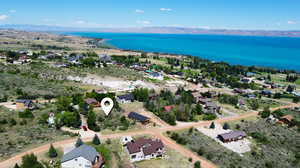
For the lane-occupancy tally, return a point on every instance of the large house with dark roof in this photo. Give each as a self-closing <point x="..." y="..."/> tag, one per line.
<point x="232" y="136"/>
<point x="138" y="117"/>
<point x="83" y="156"/>
<point x="145" y="149"/>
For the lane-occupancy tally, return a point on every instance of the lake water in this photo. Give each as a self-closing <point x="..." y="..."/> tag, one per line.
<point x="277" y="52"/>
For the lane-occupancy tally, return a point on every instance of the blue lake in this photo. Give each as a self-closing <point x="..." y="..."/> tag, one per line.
<point x="277" y="52"/>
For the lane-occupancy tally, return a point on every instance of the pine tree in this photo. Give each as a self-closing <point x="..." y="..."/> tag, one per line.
<point x="78" y="143"/>
<point x="96" y="140"/>
<point x="16" y="166"/>
<point x="212" y="125"/>
<point x="52" y="152"/>
<point x="226" y="126"/>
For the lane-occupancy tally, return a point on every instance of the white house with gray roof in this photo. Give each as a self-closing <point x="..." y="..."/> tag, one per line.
<point x="82" y="157"/>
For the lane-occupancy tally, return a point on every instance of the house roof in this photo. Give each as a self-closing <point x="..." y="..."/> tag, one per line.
<point x="148" y="146"/>
<point x="137" y="116"/>
<point x="167" y="108"/>
<point x="91" y="101"/>
<point x="127" y="97"/>
<point x="85" y="151"/>
<point x="233" y="134"/>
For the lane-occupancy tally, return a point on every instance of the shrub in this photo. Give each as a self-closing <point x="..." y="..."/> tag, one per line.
<point x="26" y="114"/>
<point x="208" y="117"/>
<point x="197" y="164"/>
<point x="260" y="137"/>
<point x="78" y="143"/>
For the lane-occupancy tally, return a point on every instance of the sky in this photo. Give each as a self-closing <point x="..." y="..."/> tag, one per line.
<point x="210" y="14"/>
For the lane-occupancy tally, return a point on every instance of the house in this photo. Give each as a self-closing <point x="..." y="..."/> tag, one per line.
<point x="83" y="156"/>
<point x="266" y="93"/>
<point x="271" y="119"/>
<point x="126" y="139"/>
<point x="246" y="80"/>
<point x="296" y="94"/>
<point x="24" y="104"/>
<point x="145" y="149"/>
<point x="209" y="107"/>
<point x="250" y="95"/>
<point x="92" y="102"/>
<point x="287" y="119"/>
<point x="127" y="98"/>
<point x="155" y="75"/>
<point x="250" y="74"/>
<point x="232" y="136"/>
<point x="138" y="117"/>
<point x="104" y="58"/>
<point x="241" y="103"/>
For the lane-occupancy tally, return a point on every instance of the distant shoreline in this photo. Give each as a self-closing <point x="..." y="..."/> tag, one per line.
<point x="106" y="41"/>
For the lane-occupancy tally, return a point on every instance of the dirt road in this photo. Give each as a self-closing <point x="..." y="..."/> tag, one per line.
<point x="157" y="132"/>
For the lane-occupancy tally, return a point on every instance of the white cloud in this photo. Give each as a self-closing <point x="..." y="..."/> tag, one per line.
<point x="12" y="11"/>
<point x="3" y="17"/>
<point x="204" y="27"/>
<point x="144" y="22"/>
<point x="48" y="20"/>
<point x="291" y="22"/>
<point x="165" y="9"/>
<point x="139" y="11"/>
<point x="80" y="22"/>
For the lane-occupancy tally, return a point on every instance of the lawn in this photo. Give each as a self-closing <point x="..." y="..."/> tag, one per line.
<point x="173" y="160"/>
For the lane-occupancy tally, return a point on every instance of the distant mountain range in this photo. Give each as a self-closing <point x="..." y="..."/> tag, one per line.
<point x="160" y="30"/>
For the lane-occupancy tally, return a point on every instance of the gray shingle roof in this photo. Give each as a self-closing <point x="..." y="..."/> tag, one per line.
<point x="85" y="151"/>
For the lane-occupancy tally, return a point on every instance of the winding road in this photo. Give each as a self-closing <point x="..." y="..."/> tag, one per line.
<point x="157" y="132"/>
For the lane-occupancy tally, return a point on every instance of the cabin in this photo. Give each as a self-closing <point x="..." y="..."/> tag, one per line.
<point x="92" y="102"/>
<point x="82" y="156"/>
<point x="232" y="136"/>
<point x="24" y="104"/>
<point x="138" y="117"/>
<point x="124" y="99"/>
<point x="145" y="149"/>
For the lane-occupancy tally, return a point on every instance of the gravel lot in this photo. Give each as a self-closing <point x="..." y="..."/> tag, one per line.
<point x="240" y="146"/>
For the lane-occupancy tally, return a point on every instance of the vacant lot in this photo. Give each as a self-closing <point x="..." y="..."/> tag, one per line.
<point x="19" y="134"/>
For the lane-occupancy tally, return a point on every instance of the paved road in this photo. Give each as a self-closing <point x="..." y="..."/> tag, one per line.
<point x="158" y="132"/>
